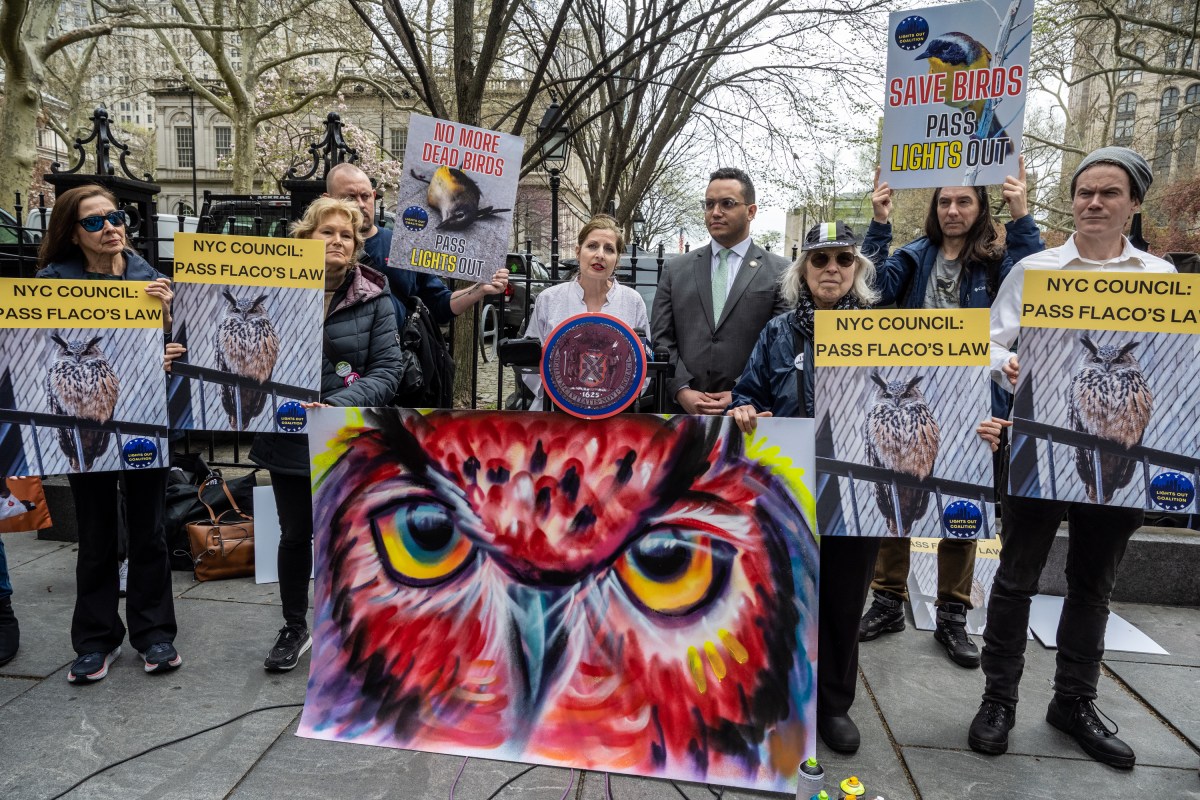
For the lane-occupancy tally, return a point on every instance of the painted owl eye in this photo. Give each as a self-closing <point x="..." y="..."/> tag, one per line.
<point x="418" y="542"/>
<point x="674" y="571"/>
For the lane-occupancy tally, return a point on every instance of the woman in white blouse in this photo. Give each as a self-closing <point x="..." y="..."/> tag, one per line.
<point x="593" y="289"/>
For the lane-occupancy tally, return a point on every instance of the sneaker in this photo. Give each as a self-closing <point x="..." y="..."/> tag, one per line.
<point x="289" y="646"/>
<point x="989" y="729"/>
<point x="10" y="632"/>
<point x="92" y="667"/>
<point x="1079" y="718"/>
<point x="886" y="615"/>
<point x="161" y="657"/>
<point x="123" y="573"/>
<point x="951" y="632"/>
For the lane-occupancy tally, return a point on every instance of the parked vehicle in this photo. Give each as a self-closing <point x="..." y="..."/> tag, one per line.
<point x="247" y="214"/>
<point x="166" y="226"/>
<point x="514" y="315"/>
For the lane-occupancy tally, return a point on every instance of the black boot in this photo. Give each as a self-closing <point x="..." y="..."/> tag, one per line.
<point x="989" y="729"/>
<point x="10" y="632"/>
<point x="951" y="631"/>
<point x="1078" y="717"/>
<point x="886" y="615"/>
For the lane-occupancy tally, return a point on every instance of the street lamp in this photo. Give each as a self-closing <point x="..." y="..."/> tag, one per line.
<point x="553" y="130"/>
<point x="639" y="227"/>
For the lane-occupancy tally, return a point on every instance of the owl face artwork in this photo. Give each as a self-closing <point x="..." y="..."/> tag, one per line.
<point x="635" y="594"/>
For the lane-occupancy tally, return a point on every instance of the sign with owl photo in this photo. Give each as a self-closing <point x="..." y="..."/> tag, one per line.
<point x="899" y="395"/>
<point x="636" y="594"/>
<point x="1107" y="407"/>
<point x="954" y="105"/>
<point x="456" y="196"/>
<point x="82" y="387"/>
<point x="248" y="309"/>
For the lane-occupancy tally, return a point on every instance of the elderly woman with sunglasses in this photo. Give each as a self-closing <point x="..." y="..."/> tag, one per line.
<point x="86" y="239"/>
<point x="778" y="381"/>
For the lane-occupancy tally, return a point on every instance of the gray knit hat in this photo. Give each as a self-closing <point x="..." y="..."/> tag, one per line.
<point x="1134" y="165"/>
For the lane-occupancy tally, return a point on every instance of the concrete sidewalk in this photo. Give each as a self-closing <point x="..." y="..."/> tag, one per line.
<point x="914" y="707"/>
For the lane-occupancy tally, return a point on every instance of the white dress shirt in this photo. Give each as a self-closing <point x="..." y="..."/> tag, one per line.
<point x="566" y="300"/>
<point x="737" y="254"/>
<point x="1006" y="310"/>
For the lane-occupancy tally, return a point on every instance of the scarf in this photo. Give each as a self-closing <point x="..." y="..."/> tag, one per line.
<point x="806" y="308"/>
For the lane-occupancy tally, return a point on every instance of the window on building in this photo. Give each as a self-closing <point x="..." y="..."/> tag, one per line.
<point x="1126" y="110"/>
<point x="1171" y="55"/>
<point x="1164" y="145"/>
<point x="185" y="148"/>
<point x="1131" y="71"/>
<point x="1176" y="15"/>
<point x="223" y="138"/>
<point x="399" y="142"/>
<point x="1189" y="125"/>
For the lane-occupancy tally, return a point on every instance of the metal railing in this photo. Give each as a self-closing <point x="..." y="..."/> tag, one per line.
<point x="76" y="426"/>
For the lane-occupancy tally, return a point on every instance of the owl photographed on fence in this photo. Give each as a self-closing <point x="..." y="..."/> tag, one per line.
<point x="524" y="587"/>
<point x="1108" y="397"/>
<point x="81" y="383"/>
<point x="246" y="345"/>
<point x="901" y="435"/>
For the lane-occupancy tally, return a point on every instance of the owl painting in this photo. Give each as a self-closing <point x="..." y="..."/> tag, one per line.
<point x="246" y="345"/>
<point x="901" y="435"/>
<point x="633" y="594"/>
<point x="1108" y="397"/>
<point x="81" y="383"/>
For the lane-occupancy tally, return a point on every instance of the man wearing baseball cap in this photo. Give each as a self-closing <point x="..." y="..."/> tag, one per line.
<point x="1106" y="190"/>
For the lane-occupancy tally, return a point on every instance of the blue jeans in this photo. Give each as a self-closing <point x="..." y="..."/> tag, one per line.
<point x="5" y="583"/>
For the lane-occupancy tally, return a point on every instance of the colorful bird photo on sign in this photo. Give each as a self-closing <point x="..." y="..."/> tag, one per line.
<point x="636" y="594"/>
<point x="1108" y="417"/>
<point x="954" y="104"/>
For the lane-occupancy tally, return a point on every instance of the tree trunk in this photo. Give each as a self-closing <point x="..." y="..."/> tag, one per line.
<point x="25" y="30"/>
<point x="465" y="353"/>
<point x="244" y="127"/>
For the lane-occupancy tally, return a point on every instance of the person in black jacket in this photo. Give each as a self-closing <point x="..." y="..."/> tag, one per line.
<point x="360" y="367"/>
<point x="86" y="240"/>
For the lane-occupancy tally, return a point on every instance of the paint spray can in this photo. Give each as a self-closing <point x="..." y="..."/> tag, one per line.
<point x="812" y="779"/>
<point x="852" y="787"/>
<point x="821" y="795"/>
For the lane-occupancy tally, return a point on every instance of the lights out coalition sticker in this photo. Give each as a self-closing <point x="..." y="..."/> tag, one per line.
<point x="1172" y="491"/>
<point x="962" y="519"/>
<point x="593" y="365"/>
<point x="292" y="417"/>
<point x="139" y="453"/>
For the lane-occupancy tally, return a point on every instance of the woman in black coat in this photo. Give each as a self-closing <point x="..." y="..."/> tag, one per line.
<point x="86" y="240"/>
<point x="360" y="367"/>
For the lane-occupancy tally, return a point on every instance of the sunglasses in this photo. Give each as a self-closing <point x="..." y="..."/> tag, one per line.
<point x="726" y="204"/>
<point x="96" y="221"/>
<point x="820" y="259"/>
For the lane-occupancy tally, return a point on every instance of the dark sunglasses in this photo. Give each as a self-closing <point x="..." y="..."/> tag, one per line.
<point x="820" y="258"/>
<point x="96" y="221"/>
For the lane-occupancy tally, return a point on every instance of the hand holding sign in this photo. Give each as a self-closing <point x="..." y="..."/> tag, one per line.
<point x="881" y="199"/>
<point x="1014" y="192"/>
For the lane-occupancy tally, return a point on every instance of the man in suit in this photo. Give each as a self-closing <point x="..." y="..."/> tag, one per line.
<point x="713" y="302"/>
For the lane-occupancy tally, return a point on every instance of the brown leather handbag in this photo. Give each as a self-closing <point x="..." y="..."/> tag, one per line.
<point x="222" y="545"/>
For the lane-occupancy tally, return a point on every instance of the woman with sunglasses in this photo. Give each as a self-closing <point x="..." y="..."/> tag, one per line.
<point x="86" y="240"/>
<point x="831" y="273"/>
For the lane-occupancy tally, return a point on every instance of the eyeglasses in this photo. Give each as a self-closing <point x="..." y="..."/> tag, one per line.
<point x="820" y="259"/>
<point x="96" y="221"/>
<point x="726" y="204"/>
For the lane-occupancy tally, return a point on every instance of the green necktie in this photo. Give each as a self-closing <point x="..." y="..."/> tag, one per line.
<point x="721" y="283"/>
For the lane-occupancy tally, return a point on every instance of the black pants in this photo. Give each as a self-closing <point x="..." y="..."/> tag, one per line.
<point x="149" y="607"/>
<point x="847" y="566"/>
<point x="1098" y="535"/>
<point x="293" y="500"/>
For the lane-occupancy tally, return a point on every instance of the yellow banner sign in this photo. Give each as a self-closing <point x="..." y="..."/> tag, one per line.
<point x="984" y="548"/>
<point x="914" y="337"/>
<point x="45" y="303"/>
<point x="249" y="260"/>
<point x="1160" y="302"/>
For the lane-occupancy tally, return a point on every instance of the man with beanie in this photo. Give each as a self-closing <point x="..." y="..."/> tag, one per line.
<point x="1106" y="190"/>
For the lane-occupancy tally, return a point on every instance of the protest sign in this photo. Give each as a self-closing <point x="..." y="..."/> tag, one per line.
<point x="81" y="380"/>
<point x="248" y="309"/>
<point x="1107" y="409"/>
<point x="955" y="94"/>
<point x="454" y="215"/>
<point x="613" y="594"/>
<point x="898" y="397"/>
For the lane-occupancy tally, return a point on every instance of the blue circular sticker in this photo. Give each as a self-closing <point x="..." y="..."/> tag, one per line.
<point x="912" y="32"/>
<point x="962" y="519"/>
<point x="1172" y="491"/>
<point x="415" y="218"/>
<point x="292" y="417"/>
<point x="139" y="453"/>
<point x="593" y="365"/>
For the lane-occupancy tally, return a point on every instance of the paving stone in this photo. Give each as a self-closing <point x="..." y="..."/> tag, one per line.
<point x="1164" y="687"/>
<point x="14" y="687"/>
<point x="1176" y="628"/>
<point x="929" y="702"/>
<point x="239" y="590"/>
<point x="964" y="775"/>
<point x="21" y="548"/>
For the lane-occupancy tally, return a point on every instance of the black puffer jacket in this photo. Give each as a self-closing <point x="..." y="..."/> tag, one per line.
<point x="360" y="331"/>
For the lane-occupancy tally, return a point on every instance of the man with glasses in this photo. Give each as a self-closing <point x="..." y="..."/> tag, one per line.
<point x="347" y="182"/>
<point x="712" y="303"/>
